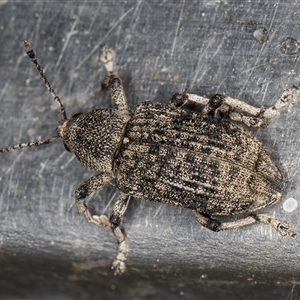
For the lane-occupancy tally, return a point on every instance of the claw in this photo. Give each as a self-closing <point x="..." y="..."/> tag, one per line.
<point x="285" y="229"/>
<point x="101" y="220"/>
<point x="107" y="58"/>
<point x="119" y="263"/>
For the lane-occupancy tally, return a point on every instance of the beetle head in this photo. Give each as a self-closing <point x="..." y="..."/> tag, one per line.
<point x="93" y="137"/>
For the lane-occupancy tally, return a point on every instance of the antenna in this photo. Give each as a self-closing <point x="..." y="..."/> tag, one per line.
<point x="29" y="144"/>
<point x="31" y="54"/>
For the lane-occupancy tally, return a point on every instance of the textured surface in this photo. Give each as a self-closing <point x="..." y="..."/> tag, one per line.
<point x="94" y="137"/>
<point x="179" y="157"/>
<point x="46" y="248"/>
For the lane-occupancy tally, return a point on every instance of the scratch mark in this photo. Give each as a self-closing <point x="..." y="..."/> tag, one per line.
<point x="61" y="204"/>
<point x="295" y="66"/>
<point x="251" y="72"/>
<point x="149" y="6"/>
<point x="11" y="167"/>
<point x="253" y="68"/>
<point x="7" y="28"/>
<point x="157" y="211"/>
<point x="219" y="47"/>
<point x="219" y="86"/>
<point x="95" y="15"/>
<point x="292" y="293"/>
<point x="3" y="91"/>
<point x="53" y="183"/>
<point x="101" y="41"/>
<point x="273" y="17"/>
<point x="67" y="163"/>
<point x="265" y="92"/>
<point x="110" y="201"/>
<point x="197" y="71"/>
<point x="177" y="28"/>
<point x="134" y="17"/>
<point x="33" y="37"/>
<point x="259" y="54"/>
<point x="38" y="26"/>
<point x="184" y="43"/>
<point x="43" y="166"/>
<point x="69" y="35"/>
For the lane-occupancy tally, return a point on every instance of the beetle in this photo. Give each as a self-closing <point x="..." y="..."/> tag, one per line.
<point x="166" y="153"/>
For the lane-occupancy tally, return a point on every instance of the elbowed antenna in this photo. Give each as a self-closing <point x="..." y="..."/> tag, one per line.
<point x="31" y="54"/>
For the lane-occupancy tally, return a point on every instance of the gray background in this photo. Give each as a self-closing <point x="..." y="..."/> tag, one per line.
<point x="46" y="249"/>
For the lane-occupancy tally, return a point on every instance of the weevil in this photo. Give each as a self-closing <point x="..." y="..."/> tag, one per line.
<point x="166" y="153"/>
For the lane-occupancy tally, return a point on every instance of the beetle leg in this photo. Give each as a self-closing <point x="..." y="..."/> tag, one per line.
<point x="84" y="190"/>
<point x="284" y="228"/>
<point x="107" y="58"/>
<point x="256" y="117"/>
<point x="210" y="105"/>
<point x="112" y="81"/>
<point x="285" y="99"/>
<point x="179" y="100"/>
<point x="207" y="221"/>
<point x="119" y="264"/>
<point x="118" y="97"/>
<point x="216" y="103"/>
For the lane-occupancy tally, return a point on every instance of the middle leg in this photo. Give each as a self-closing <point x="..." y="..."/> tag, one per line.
<point x="119" y="264"/>
<point x="256" y="117"/>
<point x="119" y="209"/>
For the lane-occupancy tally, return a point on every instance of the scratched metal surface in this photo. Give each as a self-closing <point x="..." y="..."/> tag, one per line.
<point x="46" y="248"/>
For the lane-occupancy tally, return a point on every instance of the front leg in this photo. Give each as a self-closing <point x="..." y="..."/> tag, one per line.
<point x="84" y="190"/>
<point x="112" y="81"/>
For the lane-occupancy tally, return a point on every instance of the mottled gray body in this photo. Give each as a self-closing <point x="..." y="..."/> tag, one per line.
<point x="167" y="154"/>
<point x="199" y="162"/>
<point x="93" y="137"/>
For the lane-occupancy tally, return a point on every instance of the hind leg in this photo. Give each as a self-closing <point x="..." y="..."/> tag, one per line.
<point x="284" y="228"/>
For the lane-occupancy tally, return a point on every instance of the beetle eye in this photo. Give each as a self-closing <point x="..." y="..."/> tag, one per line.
<point x="76" y="115"/>
<point x="67" y="148"/>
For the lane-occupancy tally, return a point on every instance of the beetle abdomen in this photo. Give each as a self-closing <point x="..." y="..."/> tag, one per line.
<point x="190" y="160"/>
